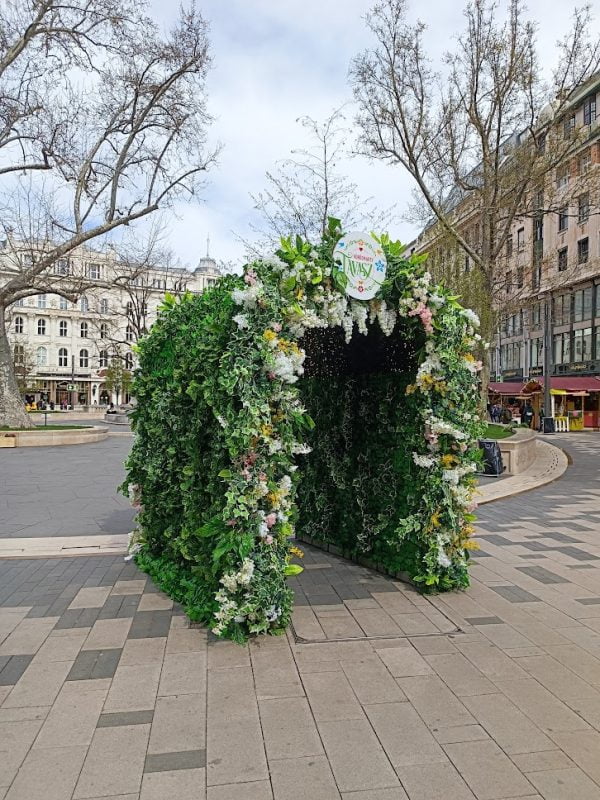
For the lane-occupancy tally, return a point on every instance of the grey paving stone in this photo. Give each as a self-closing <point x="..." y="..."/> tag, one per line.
<point x="149" y="624"/>
<point x="186" y="759"/>
<point x="588" y="601"/>
<point x="12" y="668"/>
<point x="543" y="575"/>
<point x="91" y="664"/>
<point x="514" y="594"/>
<point x="577" y="554"/>
<point x="117" y="718"/>
<point x="78" y="618"/>
<point x="484" y="620"/>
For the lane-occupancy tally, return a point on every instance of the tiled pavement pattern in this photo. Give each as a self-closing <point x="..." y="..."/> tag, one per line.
<point x="64" y="491"/>
<point x="105" y="692"/>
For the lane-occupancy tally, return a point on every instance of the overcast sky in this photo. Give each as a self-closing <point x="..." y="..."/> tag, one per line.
<point x="277" y="60"/>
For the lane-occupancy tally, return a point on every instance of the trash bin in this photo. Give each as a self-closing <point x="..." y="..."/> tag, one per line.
<point x="492" y="457"/>
<point x="548" y="425"/>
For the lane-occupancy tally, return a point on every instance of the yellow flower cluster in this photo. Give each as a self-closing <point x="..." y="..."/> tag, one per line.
<point x="266" y="430"/>
<point x="269" y="335"/>
<point x="448" y="461"/>
<point x="295" y="551"/>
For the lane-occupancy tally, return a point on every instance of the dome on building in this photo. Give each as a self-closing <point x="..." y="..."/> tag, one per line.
<point x="207" y="264"/>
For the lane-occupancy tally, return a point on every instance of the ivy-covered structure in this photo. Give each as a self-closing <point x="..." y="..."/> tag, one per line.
<point x="275" y="405"/>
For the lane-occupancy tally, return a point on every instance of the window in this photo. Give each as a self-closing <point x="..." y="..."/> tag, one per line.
<point x="536" y="274"/>
<point x="83" y="330"/>
<point x="585" y="161"/>
<point x="103" y="358"/>
<point x="536" y="352"/>
<point x="569" y="126"/>
<point x="41" y="357"/>
<point x="104" y="331"/>
<point x="562" y="348"/>
<point x="41" y="327"/>
<point x="538" y="229"/>
<point x="63" y="303"/>
<point x="61" y="267"/>
<point x="19" y="325"/>
<point x="84" y="358"/>
<point x="563" y="218"/>
<point x="583" y="250"/>
<point x="536" y="315"/>
<point x="20" y="302"/>
<point x="562" y="176"/>
<point x="94" y="272"/>
<point x="467" y="264"/>
<point x="589" y="109"/>
<point x="129" y="361"/>
<point x="129" y="333"/>
<point x="104" y="306"/>
<point x="63" y="328"/>
<point x="509" y="245"/>
<point x="562" y="309"/>
<point x="19" y="355"/>
<point x="63" y="357"/>
<point x="582" y="304"/>
<point x="129" y="308"/>
<point x="582" y="344"/>
<point x="41" y="301"/>
<point x="519" y="277"/>
<point x="583" y="207"/>
<point x="521" y="239"/>
<point x="563" y="258"/>
<point x="84" y="304"/>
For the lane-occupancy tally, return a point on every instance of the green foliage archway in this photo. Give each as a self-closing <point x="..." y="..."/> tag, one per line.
<point x="226" y="418"/>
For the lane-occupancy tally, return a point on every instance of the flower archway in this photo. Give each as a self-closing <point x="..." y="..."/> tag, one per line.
<point x="232" y="397"/>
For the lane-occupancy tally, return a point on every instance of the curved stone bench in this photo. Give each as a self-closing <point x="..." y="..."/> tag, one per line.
<point x="518" y="451"/>
<point x="38" y="437"/>
<point x="117" y="419"/>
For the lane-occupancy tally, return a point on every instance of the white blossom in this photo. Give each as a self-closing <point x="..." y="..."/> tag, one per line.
<point x="241" y="320"/>
<point x="423" y="461"/>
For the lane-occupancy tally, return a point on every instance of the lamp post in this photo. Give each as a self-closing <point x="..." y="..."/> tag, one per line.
<point x="547" y="363"/>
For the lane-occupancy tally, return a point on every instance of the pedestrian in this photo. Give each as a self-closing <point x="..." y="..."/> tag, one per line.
<point x="528" y="414"/>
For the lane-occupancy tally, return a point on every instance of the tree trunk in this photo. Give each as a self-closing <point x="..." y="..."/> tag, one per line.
<point x="12" y="409"/>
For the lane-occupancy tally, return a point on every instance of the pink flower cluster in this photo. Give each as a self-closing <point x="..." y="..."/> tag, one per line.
<point x="251" y="277"/>
<point x="425" y="314"/>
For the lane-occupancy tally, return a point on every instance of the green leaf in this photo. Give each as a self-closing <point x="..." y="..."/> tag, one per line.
<point x="293" y="569"/>
<point x="225" y="473"/>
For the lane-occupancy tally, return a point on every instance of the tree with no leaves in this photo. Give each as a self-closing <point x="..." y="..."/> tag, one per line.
<point x="103" y="121"/>
<point x="473" y="138"/>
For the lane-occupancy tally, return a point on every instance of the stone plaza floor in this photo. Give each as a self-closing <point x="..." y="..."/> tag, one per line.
<point x="376" y="693"/>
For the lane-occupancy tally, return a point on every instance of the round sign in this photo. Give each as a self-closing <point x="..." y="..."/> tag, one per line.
<point x="360" y="257"/>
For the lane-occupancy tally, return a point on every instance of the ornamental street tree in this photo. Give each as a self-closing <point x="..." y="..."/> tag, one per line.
<point x="103" y="121"/>
<point x="483" y="138"/>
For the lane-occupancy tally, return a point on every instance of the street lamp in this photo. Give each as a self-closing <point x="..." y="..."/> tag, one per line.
<point x="547" y="427"/>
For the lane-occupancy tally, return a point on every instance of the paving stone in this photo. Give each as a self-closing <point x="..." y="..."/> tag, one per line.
<point x="107" y="633"/>
<point x="16" y="738"/>
<point x="91" y="664"/>
<point x="460" y="675"/>
<point x="489" y="773"/>
<point x="179" y="724"/>
<point x="514" y="594"/>
<point x="511" y="729"/>
<point x="39" y="684"/>
<point x="182" y="673"/>
<point x="184" y="784"/>
<point x="147" y="624"/>
<point x="117" y="718"/>
<point x="124" y="749"/>
<point x="78" y="618"/>
<point x="404" y="661"/>
<point x="257" y="790"/>
<point x="129" y="587"/>
<point x="403" y="735"/>
<point x="48" y="773"/>
<point x="90" y="597"/>
<point x="331" y="697"/>
<point x="27" y="637"/>
<point x="288" y="727"/>
<point x="546" y="759"/>
<point x="73" y="717"/>
<point x="182" y="759"/>
<point x="308" y="778"/>
<point x="559" y="680"/>
<point x="134" y="688"/>
<point x="397" y="793"/>
<point x="434" y="780"/>
<point x="275" y="671"/>
<point x="12" y="667"/>
<point x="583" y="747"/>
<point x="376" y="622"/>
<point x="155" y="602"/>
<point x="62" y="645"/>
<point x="436" y="704"/>
<point x="186" y="640"/>
<point x="371" y="681"/>
<point x="559" y="784"/>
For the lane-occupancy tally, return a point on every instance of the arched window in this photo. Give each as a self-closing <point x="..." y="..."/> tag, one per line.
<point x="129" y="333"/>
<point x="41" y="356"/>
<point x="84" y="358"/>
<point x="19" y="355"/>
<point x="41" y="327"/>
<point x="104" y="331"/>
<point x="103" y="358"/>
<point x="84" y="330"/>
<point x="84" y="304"/>
<point x="63" y="357"/>
<point x="18" y="324"/>
<point x="129" y="360"/>
<point x="63" y="328"/>
<point x="41" y="301"/>
<point x="104" y="306"/>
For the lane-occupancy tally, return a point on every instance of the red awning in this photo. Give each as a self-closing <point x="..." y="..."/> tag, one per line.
<point x="575" y="384"/>
<point x="507" y="388"/>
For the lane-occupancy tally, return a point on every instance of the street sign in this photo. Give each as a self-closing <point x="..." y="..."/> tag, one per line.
<point x="71" y="387"/>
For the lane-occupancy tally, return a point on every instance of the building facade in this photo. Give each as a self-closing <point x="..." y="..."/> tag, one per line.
<point x="551" y="264"/>
<point x="63" y="349"/>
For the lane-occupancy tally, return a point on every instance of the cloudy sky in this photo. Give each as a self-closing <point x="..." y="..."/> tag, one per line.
<point x="277" y="60"/>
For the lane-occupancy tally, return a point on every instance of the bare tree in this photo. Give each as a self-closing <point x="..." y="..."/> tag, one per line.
<point x="480" y="152"/>
<point x="102" y="122"/>
<point x="302" y="192"/>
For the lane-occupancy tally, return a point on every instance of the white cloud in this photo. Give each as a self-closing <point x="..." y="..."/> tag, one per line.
<point x="277" y="60"/>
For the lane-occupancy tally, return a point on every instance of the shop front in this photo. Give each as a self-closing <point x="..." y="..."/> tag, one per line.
<point x="575" y="401"/>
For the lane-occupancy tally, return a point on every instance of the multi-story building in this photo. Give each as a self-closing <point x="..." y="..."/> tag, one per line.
<point x="551" y="262"/>
<point x="63" y="349"/>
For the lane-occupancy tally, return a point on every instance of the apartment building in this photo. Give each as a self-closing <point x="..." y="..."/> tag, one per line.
<point x="63" y="349"/>
<point x="551" y="261"/>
